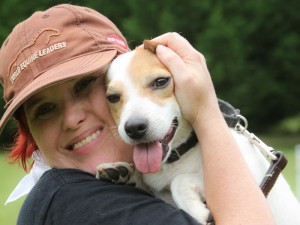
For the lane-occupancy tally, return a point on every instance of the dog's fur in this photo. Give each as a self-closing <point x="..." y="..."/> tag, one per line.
<point x="142" y="102"/>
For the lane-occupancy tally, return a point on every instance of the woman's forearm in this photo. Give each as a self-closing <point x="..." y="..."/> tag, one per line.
<point x="231" y="192"/>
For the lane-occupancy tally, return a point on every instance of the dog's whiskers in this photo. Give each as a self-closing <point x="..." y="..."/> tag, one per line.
<point x="114" y="133"/>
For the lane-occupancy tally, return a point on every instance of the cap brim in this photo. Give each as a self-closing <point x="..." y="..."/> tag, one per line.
<point x="71" y="69"/>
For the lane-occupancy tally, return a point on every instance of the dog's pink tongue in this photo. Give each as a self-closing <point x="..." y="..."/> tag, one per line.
<point x="147" y="157"/>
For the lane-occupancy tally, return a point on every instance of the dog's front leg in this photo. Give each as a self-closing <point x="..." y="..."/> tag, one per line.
<point x="188" y="194"/>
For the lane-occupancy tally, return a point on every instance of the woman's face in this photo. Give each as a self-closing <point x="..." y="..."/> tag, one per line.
<point x="72" y="125"/>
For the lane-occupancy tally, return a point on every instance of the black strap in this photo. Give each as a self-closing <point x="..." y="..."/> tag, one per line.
<point x="230" y="113"/>
<point x="176" y="153"/>
<point x="210" y="220"/>
<point x="231" y="118"/>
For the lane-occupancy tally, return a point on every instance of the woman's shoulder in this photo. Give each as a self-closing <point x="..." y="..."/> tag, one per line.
<point x="52" y="190"/>
<point x="62" y="177"/>
<point x="76" y="197"/>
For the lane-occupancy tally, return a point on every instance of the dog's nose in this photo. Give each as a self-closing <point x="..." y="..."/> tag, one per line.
<point x="136" y="128"/>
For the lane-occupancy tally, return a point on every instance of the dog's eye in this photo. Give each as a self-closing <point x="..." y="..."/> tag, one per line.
<point x="161" y="82"/>
<point x="114" y="98"/>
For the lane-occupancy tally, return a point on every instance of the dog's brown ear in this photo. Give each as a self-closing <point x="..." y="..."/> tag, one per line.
<point x="150" y="45"/>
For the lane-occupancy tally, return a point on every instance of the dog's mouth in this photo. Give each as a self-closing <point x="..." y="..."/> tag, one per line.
<point x="168" y="138"/>
<point x="148" y="156"/>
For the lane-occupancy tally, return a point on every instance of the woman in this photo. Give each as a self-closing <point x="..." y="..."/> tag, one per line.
<point x="52" y="68"/>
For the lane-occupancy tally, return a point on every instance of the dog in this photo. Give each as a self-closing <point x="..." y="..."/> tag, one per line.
<point x="140" y="94"/>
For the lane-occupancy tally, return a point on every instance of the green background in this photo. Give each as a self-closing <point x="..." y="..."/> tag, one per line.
<point x="251" y="48"/>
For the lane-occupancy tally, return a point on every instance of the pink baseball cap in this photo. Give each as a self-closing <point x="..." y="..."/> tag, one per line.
<point x="61" y="43"/>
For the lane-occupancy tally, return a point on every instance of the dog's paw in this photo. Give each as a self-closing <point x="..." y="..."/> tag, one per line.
<point x="117" y="172"/>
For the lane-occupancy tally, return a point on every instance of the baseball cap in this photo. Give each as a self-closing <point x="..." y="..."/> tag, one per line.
<point x="63" y="42"/>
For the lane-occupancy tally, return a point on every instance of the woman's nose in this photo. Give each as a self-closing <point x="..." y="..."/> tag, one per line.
<point x="74" y="115"/>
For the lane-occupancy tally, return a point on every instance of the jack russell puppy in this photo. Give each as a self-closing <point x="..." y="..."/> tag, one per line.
<point x="142" y="102"/>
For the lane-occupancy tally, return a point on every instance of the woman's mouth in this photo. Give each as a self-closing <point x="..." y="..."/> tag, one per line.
<point x="85" y="141"/>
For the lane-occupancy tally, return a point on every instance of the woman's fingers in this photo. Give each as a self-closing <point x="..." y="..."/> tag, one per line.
<point x="171" y="60"/>
<point x="174" y="41"/>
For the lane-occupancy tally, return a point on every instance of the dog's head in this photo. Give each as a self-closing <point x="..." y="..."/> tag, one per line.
<point x="140" y="93"/>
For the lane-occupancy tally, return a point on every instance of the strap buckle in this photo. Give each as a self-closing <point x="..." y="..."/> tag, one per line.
<point x="278" y="160"/>
<point x="266" y="150"/>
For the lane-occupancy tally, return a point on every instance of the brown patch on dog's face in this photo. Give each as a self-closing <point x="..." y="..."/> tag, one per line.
<point x="116" y="88"/>
<point x="151" y="77"/>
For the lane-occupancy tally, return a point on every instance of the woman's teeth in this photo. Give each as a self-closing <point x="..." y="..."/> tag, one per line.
<point x="86" y="140"/>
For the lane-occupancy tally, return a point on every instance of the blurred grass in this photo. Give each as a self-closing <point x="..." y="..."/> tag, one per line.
<point x="10" y="175"/>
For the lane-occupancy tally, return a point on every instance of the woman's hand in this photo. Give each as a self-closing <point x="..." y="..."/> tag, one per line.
<point x="193" y="85"/>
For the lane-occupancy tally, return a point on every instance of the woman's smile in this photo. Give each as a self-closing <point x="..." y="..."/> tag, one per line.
<point x="86" y="140"/>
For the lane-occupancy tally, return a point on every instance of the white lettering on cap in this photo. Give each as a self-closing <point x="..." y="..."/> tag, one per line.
<point x="116" y="40"/>
<point x="35" y="56"/>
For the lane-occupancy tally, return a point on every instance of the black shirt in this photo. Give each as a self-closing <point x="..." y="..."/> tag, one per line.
<point x="74" y="197"/>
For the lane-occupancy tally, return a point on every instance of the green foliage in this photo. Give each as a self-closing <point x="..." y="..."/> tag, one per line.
<point x="251" y="47"/>
<point x="290" y="125"/>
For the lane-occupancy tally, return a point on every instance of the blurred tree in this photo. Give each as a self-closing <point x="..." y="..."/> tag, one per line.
<point x="252" y="47"/>
<point x="265" y="78"/>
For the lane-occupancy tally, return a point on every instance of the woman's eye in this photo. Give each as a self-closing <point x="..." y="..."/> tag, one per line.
<point x="160" y="82"/>
<point x="84" y="83"/>
<point x="44" y="111"/>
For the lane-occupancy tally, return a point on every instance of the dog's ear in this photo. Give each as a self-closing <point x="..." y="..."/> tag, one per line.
<point x="150" y="45"/>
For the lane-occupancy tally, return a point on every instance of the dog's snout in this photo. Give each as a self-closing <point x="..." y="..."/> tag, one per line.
<point x="136" y="128"/>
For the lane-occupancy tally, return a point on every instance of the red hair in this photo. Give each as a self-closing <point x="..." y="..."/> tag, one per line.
<point x="24" y="144"/>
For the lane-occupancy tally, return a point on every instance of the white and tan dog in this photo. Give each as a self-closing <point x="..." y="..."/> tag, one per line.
<point x="142" y="102"/>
